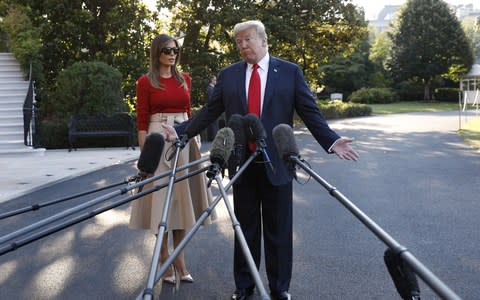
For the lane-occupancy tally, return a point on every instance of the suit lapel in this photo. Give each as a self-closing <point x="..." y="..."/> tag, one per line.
<point x="271" y="80"/>
<point x="240" y="71"/>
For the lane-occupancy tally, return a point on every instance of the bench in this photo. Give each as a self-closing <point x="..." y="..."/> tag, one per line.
<point x="101" y="125"/>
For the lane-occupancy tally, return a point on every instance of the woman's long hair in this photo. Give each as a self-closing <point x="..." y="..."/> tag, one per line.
<point x="154" y="71"/>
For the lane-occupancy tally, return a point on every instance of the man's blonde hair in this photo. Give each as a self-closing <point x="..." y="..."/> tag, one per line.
<point x="258" y="25"/>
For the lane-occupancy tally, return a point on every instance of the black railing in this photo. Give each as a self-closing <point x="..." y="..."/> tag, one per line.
<point x="29" y="113"/>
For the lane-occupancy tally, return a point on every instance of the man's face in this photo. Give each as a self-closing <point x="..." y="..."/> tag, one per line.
<point x="252" y="48"/>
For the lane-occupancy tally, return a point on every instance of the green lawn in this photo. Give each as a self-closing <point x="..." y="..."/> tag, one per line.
<point x="403" y="107"/>
<point x="470" y="131"/>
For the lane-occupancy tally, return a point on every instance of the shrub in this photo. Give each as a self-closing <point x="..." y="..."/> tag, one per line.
<point x="379" y="80"/>
<point x="373" y="95"/>
<point x="411" y="90"/>
<point x="447" y="94"/>
<point x="87" y="87"/>
<point x="54" y="134"/>
<point x="338" y="109"/>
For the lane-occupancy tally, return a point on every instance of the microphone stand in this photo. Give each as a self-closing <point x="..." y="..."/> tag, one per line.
<point x="241" y="239"/>
<point x="435" y="283"/>
<point x="51" y="202"/>
<point x="90" y="203"/>
<point x="148" y="291"/>
<point x="183" y="243"/>
<point x="82" y="217"/>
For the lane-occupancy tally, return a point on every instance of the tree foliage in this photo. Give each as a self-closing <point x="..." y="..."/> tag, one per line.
<point x="87" y="87"/>
<point x="24" y="39"/>
<point x="116" y="32"/>
<point x="306" y="32"/>
<point x="472" y="30"/>
<point x="428" y="42"/>
<point x="348" y="73"/>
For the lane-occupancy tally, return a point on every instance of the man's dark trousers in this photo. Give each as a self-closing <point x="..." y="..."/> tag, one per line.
<point x="257" y="200"/>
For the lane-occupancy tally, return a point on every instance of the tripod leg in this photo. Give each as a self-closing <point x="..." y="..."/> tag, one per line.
<point x="242" y="242"/>
<point x="148" y="292"/>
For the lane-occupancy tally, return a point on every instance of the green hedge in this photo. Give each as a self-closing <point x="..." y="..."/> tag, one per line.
<point x="373" y="96"/>
<point x="87" y="87"/>
<point x="338" y="109"/>
<point x="447" y="94"/>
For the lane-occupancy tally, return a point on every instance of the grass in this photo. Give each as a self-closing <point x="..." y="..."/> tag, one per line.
<point x="404" y="107"/>
<point x="470" y="131"/>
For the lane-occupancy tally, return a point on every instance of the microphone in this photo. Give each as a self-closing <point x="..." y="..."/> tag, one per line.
<point x="285" y="141"/>
<point x="256" y="133"/>
<point x="222" y="147"/>
<point x="238" y="127"/>
<point x="150" y="155"/>
<point x="286" y="145"/>
<point x="402" y="275"/>
<point x="255" y="130"/>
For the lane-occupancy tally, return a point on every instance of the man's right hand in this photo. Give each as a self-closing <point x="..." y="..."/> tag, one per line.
<point x="169" y="133"/>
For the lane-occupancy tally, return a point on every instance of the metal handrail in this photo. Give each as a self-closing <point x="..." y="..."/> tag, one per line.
<point x="28" y="111"/>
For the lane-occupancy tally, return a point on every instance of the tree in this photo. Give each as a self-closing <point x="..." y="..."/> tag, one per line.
<point x="472" y="30"/>
<point x="116" y="32"/>
<point x="306" y="32"/>
<point x="346" y="74"/>
<point x="428" y="42"/>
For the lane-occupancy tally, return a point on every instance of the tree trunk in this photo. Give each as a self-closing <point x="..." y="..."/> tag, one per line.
<point x="426" y="91"/>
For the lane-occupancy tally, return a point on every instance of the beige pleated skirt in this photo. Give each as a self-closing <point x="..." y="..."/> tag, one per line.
<point x="190" y="197"/>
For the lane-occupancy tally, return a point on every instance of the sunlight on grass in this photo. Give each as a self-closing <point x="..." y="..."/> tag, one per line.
<point x="404" y="107"/>
<point x="471" y="133"/>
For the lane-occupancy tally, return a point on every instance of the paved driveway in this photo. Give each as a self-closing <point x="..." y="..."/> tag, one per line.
<point x="416" y="178"/>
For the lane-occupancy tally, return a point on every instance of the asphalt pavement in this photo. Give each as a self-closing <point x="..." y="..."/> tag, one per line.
<point x="415" y="178"/>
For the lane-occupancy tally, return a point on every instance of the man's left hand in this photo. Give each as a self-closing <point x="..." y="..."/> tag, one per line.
<point x="343" y="150"/>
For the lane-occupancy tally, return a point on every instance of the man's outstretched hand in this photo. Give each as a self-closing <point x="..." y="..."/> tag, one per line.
<point x="343" y="150"/>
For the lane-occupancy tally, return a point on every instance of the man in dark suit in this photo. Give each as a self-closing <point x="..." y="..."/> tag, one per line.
<point x="263" y="197"/>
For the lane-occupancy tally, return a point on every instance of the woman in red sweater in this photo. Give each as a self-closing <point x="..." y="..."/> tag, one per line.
<point x="163" y="96"/>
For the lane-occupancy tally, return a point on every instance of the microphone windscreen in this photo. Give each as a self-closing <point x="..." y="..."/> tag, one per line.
<point x="222" y="146"/>
<point x="238" y="127"/>
<point x="402" y="275"/>
<point x="254" y="129"/>
<point x="151" y="152"/>
<point x="285" y="141"/>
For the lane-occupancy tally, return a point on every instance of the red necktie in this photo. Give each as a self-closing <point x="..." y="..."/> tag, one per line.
<point x="254" y="98"/>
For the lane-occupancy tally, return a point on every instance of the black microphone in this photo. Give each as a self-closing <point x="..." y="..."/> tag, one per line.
<point x="286" y="145"/>
<point x="254" y="130"/>
<point x="256" y="133"/>
<point x="150" y="155"/>
<point x="222" y="147"/>
<point x="285" y="141"/>
<point x="402" y="275"/>
<point x="239" y="146"/>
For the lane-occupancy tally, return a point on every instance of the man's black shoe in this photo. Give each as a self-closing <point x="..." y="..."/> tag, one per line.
<point x="242" y="294"/>
<point x="282" y="296"/>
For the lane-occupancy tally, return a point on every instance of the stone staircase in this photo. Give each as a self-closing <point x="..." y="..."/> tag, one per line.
<point x="13" y="90"/>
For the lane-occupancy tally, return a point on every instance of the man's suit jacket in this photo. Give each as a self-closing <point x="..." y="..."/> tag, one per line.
<point x="286" y="91"/>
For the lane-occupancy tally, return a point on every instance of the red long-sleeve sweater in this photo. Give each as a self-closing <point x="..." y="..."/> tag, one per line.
<point x="172" y="99"/>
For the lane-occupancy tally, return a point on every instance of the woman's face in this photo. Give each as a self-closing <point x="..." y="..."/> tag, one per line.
<point x="168" y="54"/>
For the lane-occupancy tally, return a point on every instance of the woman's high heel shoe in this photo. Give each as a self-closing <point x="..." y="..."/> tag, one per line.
<point x="187" y="278"/>
<point x="172" y="279"/>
